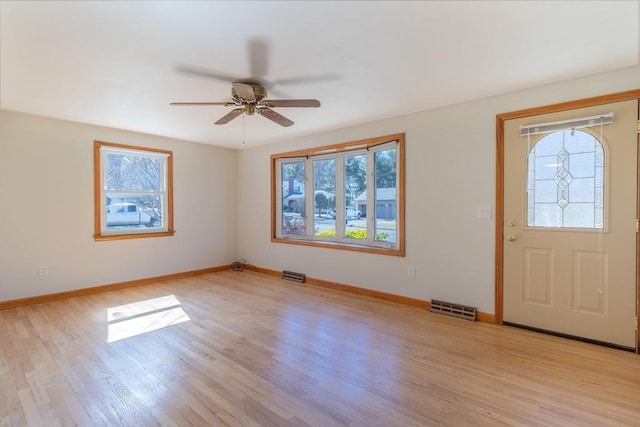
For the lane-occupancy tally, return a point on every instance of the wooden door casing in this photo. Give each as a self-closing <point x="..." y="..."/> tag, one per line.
<point x="499" y="211"/>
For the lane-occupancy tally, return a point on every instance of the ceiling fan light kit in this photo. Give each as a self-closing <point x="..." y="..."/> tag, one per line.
<point x="251" y="98"/>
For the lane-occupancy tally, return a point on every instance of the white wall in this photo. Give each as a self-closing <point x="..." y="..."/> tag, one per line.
<point x="222" y="204"/>
<point x="450" y="172"/>
<point x="46" y="209"/>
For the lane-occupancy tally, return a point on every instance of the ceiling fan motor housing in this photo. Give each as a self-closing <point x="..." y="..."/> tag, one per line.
<point x="259" y="93"/>
<point x="251" y="98"/>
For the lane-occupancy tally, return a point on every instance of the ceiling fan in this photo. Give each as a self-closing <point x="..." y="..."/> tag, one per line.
<point x="250" y="98"/>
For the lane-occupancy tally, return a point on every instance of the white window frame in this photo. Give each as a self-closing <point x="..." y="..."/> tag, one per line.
<point x="339" y="153"/>
<point x="101" y="231"/>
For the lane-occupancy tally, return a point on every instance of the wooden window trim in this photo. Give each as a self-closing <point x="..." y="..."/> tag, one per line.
<point x="340" y="148"/>
<point x="97" y="194"/>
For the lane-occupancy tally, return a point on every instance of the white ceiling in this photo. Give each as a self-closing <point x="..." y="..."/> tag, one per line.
<point x="120" y="63"/>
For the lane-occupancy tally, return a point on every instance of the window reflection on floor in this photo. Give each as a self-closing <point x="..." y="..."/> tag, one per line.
<point x="144" y="316"/>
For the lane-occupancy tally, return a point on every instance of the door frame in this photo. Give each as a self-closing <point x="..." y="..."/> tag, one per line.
<point x="499" y="211"/>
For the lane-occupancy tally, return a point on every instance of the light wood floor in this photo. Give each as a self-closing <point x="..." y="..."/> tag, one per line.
<point x="257" y="350"/>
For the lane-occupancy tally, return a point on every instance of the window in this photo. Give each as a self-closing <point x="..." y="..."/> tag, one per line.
<point x="346" y="196"/>
<point x="132" y="194"/>
<point x="566" y="181"/>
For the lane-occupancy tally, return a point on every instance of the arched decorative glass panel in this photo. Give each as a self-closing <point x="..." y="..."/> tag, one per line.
<point x="565" y="185"/>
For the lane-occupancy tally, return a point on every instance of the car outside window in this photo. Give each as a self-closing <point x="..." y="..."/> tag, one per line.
<point x="346" y="196"/>
<point x="132" y="194"/>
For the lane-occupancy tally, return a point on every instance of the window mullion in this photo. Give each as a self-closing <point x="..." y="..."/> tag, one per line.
<point x="371" y="199"/>
<point x="340" y="196"/>
<point x="309" y="201"/>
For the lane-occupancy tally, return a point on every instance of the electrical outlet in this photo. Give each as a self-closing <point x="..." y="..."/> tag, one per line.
<point x="411" y="272"/>
<point x="43" y="270"/>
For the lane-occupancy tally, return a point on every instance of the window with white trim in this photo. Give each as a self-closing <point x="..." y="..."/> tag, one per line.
<point x="346" y="196"/>
<point x="132" y="195"/>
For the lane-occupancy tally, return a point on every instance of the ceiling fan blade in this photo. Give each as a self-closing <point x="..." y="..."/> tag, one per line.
<point x="203" y="72"/>
<point x="258" y="57"/>
<point x="201" y="103"/>
<point x="318" y="78"/>
<point x="292" y="103"/>
<point x="244" y="91"/>
<point x="229" y="116"/>
<point x="275" y="117"/>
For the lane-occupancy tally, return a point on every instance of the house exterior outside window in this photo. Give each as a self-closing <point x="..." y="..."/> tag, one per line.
<point x="347" y="196"/>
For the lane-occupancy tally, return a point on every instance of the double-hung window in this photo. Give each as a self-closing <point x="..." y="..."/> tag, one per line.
<point x="347" y="196"/>
<point x="132" y="195"/>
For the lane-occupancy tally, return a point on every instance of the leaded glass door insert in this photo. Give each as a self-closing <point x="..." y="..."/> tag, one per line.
<point x="565" y="185"/>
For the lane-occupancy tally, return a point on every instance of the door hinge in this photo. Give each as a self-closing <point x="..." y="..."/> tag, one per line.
<point x="637" y="225"/>
<point x="638" y="126"/>
<point x="636" y="324"/>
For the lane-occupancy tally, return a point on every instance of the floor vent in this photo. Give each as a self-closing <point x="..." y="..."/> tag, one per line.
<point x="451" y="309"/>
<point x="293" y="276"/>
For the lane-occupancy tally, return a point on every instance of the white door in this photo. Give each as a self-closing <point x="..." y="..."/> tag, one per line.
<point x="569" y="261"/>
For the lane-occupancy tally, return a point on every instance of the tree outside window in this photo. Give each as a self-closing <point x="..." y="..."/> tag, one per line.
<point x="344" y="216"/>
<point x="132" y="191"/>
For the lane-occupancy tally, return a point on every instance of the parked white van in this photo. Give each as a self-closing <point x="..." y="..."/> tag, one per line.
<point x="130" y="214"/>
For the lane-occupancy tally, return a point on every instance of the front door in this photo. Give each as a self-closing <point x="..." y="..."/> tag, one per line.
<point x="569" y="258"/>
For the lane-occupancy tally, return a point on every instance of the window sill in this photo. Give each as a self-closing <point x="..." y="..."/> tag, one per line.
<point x="343" y="246"/>
<point x="104" y="237"/>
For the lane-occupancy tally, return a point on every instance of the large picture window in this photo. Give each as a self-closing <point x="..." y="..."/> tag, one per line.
<point x="132" y="196"/>
<point x="346" y="196"/>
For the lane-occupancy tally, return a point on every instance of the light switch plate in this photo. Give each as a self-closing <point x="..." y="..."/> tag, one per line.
<point x="483" y="212"/>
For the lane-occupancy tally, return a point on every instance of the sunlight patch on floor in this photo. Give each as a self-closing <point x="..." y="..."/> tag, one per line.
<point x="137" y="318"/>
